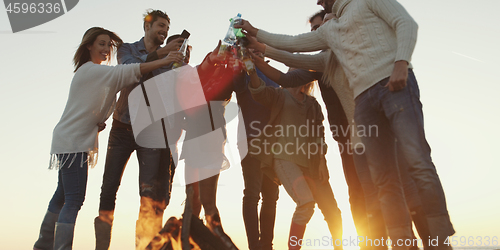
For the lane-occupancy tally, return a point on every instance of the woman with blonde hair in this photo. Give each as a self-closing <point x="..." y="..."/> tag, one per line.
<point x="74" y="142"/>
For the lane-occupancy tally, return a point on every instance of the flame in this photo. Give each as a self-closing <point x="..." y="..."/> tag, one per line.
<point x="149" y="222"/>
<point x="170" y="234"/>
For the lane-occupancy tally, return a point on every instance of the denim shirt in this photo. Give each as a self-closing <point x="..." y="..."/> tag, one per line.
<point x="252" y="111"/>
<point x="127" y="54"/>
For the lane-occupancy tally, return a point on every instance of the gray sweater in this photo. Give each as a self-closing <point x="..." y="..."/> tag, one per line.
<point x="91" y="100"/>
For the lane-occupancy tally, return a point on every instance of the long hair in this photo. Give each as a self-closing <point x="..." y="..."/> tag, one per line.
<point x="82" y="54"/>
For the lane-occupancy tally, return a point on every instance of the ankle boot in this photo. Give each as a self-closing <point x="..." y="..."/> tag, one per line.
<point x="46" y="238"/>
<point x="102" y="234"/>
<point x="296" y="234"/>
<point x="63" y="239"/>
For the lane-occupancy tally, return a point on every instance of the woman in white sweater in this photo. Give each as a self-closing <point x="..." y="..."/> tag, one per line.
<point x="74" y="143"/>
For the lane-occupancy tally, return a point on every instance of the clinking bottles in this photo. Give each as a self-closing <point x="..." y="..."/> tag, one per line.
<point x="183" y="51"/>
<point x="231" y="35"/>
<point x="247" y="61"/>
<point x="237" y="32"/>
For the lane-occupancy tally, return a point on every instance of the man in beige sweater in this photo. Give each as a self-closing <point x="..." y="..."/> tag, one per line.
<point x="374" y="41"/>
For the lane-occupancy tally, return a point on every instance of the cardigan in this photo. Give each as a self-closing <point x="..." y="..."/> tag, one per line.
<point x="91" y="100"/>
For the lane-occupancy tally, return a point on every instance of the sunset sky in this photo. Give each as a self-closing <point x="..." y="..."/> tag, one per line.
<point x="455" y="62"/>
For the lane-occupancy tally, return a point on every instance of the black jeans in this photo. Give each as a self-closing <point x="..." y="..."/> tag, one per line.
<point x="156" y="168"/>
<point x="256" y="183"/>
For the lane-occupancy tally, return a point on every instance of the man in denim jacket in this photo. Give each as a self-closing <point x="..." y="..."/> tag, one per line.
<point x="156" y="167"/>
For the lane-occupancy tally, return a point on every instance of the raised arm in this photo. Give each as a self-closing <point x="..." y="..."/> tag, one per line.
<point x="316" y="62"/>
<point x="123" y="75"/>
<point x="306" y="42"/>
<point x="170" y="58"/>
<point x="266" y="69"/>
<point x="211" y="60"/>
<point x="173" y="45"/>
<point x="292" y="79"/>
<point x="126" y="56"/>
<point x="298" y="77"/>
<point x="261" y="93"/>
<point x="148" y="62"/>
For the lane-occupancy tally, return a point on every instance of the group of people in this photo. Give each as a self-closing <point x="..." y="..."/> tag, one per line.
<point x="371" y="95"/>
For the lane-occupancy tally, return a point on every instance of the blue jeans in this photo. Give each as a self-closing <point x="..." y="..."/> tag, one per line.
<point x="257" y="183"/>
<point x="409" y="187"/>
<point x="156" y="168"/>
<point x="71" y="187"/>
<point x="398" y="116"/>
<point x="376" y="220"/>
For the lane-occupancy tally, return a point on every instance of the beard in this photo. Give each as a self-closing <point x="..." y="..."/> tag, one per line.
<point x="328" y="5"/>
<point x="158" y="41"/>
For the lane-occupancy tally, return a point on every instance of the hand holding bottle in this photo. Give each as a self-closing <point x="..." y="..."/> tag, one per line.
<point x="232" y="34"/>
<point x="213" y="58"/>
<point x="256" y="59"/>
<point x="248" y="64"/>
<point x="234" y="63"/>
<point x="217" y="57"/>
<point x="174" y="45"/>
<point x="254" y="44"/>
<point x="182" y="50"/>
<point x="173" y="57"/>
<point x="247" y="28"/>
